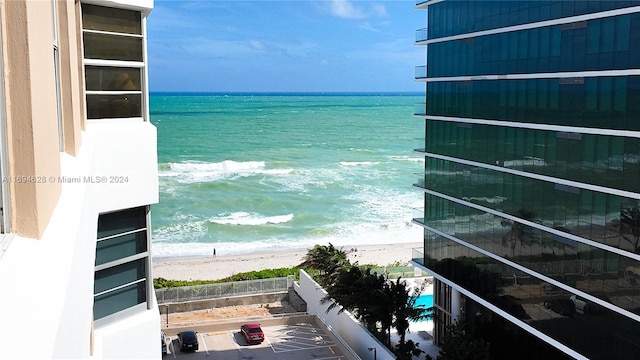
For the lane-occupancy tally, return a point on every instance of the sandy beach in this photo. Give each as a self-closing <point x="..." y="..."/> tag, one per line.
<point x="221" y="266"/>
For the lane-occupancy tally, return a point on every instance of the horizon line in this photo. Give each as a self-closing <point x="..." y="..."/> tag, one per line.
<point x="291" y="92"/>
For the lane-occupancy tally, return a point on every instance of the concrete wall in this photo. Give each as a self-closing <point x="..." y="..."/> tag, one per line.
<point x="343" y="324"/>
<point x="221" y="302"/>
<point x="235" y="323"/>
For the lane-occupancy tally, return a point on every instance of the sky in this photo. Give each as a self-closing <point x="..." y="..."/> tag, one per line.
<point x="284" y="46"/>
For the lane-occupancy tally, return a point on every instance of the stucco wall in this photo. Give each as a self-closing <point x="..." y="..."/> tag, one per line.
<point x="31" y="115"/>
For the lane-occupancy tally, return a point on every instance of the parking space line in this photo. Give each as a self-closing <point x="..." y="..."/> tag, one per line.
<point x="306" y="344"/>
<point x="287" y="345"/>
<point x="204" y="343"/>
<point x="304" y="340"/>
<point x="172" y="348"/>
<point x="306" y="333"/>
<point x="304" y="326"/>
<point x="302" y="349"/>
<point x="266" y="338"/>
<point x="233" y="338"/>
<point x="313" y="329"/>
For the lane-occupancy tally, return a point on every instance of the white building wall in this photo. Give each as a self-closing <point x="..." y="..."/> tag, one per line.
<point x="47" y="284"/>
<point x="125" y="157"/>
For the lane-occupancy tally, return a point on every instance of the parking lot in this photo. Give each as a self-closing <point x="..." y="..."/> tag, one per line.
<point x="282" y="342"/>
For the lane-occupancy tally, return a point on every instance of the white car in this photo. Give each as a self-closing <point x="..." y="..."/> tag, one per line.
<point x="582" y="306"/>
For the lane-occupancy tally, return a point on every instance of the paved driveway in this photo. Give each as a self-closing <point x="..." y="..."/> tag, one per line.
<point x="302" y="341"/>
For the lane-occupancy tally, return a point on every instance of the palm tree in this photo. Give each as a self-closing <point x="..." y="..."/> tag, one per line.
<point x="405" y="308"/>
<point x="518" y="233"/>
<point x="630" y="223"/>
<point x="327" y="260"/>
<point x="363" y="294"/>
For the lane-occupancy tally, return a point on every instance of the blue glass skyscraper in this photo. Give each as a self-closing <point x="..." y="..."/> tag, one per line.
<point x="532" y="174"/>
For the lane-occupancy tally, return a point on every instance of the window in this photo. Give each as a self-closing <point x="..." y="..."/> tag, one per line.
<point x="114" y="62"/>
<point x="122" y="260"/>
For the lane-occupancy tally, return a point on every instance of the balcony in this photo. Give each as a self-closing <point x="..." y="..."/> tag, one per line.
<point x="417" y="256"/>
<point x="420" y="145"/>
<point x="420" y="183"/>
<point x="421" y="4"/>
<point x="421" y="35"/>
<point x="418" y="216"/>
<point x="420" y="109"/>
<point x="420" y="72"/>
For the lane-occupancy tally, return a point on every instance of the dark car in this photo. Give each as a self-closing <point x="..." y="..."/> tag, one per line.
<point x="252" y="333"/>
<point x="163" y="342"/>
<point x="564" y="307"/>
<point x="188" y="341"/>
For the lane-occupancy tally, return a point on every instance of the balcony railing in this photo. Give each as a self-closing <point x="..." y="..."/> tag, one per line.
<point x="421" y="72"/>
<point x="417" y="256"/>
<point x="419" y="145"/>
<point x="422" y="35"/>
<point x="420" y="109"/>
<point x="418" y="215"/>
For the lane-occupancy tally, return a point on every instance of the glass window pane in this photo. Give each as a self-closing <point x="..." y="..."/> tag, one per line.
<point x="119" y="275"/>
<point x="114" y="106"/>
<point x="122" y="221"/>
<point x="121" y="247"/>
<point x="101" y="78"/>
<point x="607" y="33"/>
<point x="623" y="28"/>
<point x="121" y="299"/>
<point x="112" y="47"/>
<point x="110" y="19"/>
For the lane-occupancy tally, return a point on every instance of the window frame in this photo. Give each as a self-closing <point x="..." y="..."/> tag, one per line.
<point x="142" y="65"/>
<point x="145" y="256"/>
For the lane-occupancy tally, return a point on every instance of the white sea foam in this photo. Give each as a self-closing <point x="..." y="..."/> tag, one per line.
<point x="186" y="230"/>
<point x="302" y="180"/>
<point x="345" y="234"/>
<point x="194" y="171"/>
<point x="245" y="218"/>
<point x="407" y="158"/>
<point x="357" y="163"/>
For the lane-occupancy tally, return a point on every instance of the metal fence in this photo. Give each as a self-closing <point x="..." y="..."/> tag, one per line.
<point x="214" y="291"/>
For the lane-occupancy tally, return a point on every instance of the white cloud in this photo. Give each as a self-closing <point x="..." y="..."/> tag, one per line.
<point x="229" y="49"/>
<point x="368" y="26"/>
<point x="347" y="10"/>
<point x="379" y="10"/>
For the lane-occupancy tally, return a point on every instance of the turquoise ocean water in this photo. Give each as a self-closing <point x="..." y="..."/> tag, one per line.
<point x="248" y="173"/>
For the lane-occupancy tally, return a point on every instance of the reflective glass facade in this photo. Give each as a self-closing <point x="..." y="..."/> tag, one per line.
<point x="532" y="173"/>
<point x="603" y="160"/>
<point x="454" y="17"/>
<point x="602" y="44"/>
<point x="581" y="102"/>
<point x="599" y="334"/>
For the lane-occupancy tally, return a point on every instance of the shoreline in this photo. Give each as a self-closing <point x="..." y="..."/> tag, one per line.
<point x="222" y="266"/>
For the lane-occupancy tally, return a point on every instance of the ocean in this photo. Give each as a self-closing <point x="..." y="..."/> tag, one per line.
<point x="245" y="173"/>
